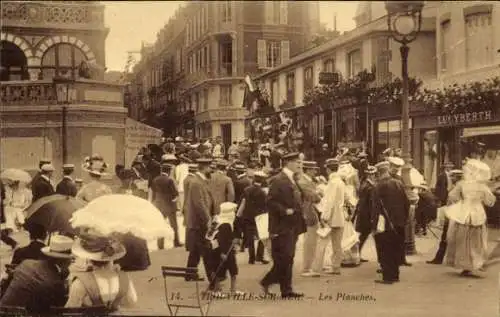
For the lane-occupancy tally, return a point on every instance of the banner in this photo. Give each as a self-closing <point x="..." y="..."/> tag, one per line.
<point x="138" y="135"/>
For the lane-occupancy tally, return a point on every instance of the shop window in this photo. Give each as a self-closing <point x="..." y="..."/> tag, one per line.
<point x="389" y="135"/>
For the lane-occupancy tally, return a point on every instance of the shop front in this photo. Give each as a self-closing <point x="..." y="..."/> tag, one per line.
<point x="449" y="138"/>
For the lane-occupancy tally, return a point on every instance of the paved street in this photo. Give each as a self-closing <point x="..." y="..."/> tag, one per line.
<point x="424" y="289"/>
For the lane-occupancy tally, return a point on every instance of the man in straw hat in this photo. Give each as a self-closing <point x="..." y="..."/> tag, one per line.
<point x="42" y="187"/>
<point x="67" y="186"/>
<point x="221" y="185"/>
<point x="362" y="214"/>
<point x="286" y="223"/>
<point x="41" y="163"/>
<point x="391" y="203"/>
<point x="164" y="196"/>
<point x="198" y="207"/>
<point x="311" y="196"/>
<point x="38" y="285"/>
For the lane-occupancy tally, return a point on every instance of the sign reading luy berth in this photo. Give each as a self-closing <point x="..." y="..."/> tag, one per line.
<point x="465" y="118"/>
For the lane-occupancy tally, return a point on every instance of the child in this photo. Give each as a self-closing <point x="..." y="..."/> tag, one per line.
<point x="223" y="257"/>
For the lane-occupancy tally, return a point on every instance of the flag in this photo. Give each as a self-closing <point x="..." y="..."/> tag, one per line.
<point x="251" y="96"/>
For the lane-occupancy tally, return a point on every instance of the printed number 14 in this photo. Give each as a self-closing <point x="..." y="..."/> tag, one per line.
<point x="175" y="296"/>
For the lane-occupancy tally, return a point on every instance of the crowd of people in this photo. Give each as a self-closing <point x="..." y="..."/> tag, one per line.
<point x="255" y="197"/>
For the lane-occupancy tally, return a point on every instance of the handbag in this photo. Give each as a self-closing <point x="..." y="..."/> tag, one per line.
<point x="381" y="221"/>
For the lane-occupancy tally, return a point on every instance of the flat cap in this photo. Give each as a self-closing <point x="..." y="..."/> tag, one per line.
<point x="371" y="170"/>
<point x="309" y="165"/>
<point x="291" y="156"/>
<point x="384" y="165"/>
<point x="47" y="168"/>
<point x="68" y="166"/>
<point x="397" y="161"/>
<point x="331" y="162"/>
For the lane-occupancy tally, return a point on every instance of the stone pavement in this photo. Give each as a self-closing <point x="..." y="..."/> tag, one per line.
<point x="424" y="290"/>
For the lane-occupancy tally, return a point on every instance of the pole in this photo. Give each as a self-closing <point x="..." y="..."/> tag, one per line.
<point x="405" y="144"/>
<point x="64" y="134"/>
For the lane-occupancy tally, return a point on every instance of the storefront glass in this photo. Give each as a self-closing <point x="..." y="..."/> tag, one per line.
<point x="388" y="135"/>
<point x="490" y="137"/>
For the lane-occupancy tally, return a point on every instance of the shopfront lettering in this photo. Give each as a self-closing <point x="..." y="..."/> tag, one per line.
<point x="463" y="118"/>
<point x="223" y="114"/>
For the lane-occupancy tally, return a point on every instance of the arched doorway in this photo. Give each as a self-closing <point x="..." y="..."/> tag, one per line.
<point x="14" y="62"/>
<point x="62" y="59"/>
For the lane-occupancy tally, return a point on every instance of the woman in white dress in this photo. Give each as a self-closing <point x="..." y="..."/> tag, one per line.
<point x="467" y="233"/>
<point x="17" y="198"/>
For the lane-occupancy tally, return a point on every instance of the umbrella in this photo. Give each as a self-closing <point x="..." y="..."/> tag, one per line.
<point x="122" y="214"/>
<point x="15" y="174"/>
<point x="53" y="212"/>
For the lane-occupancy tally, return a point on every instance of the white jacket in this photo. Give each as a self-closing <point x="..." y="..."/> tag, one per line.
<point x="332" y="205"/>
<point x="180" y="173"/>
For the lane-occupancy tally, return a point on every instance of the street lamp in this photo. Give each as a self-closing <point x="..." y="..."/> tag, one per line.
<point x="404" y="20"/>
<point x="63" y="87"/>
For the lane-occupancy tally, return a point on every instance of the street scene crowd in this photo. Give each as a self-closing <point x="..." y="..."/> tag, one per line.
<point x="255" y="198"/>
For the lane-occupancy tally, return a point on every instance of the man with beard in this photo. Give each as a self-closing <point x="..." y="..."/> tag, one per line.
<point x="363" y="211"/>
<point x="286" y="223"/>
<point x="199" y="206"/>
<point x="164" y="197"/>
<point x="390" y="203"/>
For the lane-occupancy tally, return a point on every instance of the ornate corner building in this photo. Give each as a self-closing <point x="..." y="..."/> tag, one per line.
<point x="41" y="40"/>
<point x="210" y="46"/>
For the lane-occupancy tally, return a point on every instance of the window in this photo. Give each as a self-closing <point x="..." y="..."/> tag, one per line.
<point x="445" y="44"/>
<point x="226" y="96"/>
<point x="273" y="54"/>
<point x="354" y="59"/>
<point x="290" y="88"/>
<point x="308" y="78"/>
<point x="226" y="52"/>
<point x="62" y="60"/>
<point x="479" y="39"/>
<point x="274" y="92"/>
<point x="14" y="62"/>
<point x="329" y="65"/>
<point x="205" y="99"/>
<point x="226" y="12"/>
<point x="276" y="12"/>
<point x="389" y="135"/>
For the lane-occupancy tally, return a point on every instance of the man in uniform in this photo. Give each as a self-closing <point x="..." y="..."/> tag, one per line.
<point x="67" y="186"/>
<point x="286" y="223"/>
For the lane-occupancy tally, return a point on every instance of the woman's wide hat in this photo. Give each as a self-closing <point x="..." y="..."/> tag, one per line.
<point x="95" y="165"/>
<point x="93" y="246"/>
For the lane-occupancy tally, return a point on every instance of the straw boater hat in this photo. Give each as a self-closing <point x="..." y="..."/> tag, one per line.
<point x="93" y="246"/>
<point x="59" y="247"/>
<point x="169" y="159"/>
<point x="332" y="162"/>
<point x="68" y="167"/>
<point x="47" y="168"/>
<point x="192" y="168"/>
<point x="309" y="165"/>
<point x="95" y="165"/>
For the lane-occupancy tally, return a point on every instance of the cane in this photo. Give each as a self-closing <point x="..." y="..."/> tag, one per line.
<point x="214" y="274"/>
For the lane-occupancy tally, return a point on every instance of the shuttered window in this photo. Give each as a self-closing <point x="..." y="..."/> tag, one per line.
<point x="285" y="51"/>
<point x="445" y="43"/>
<point x="261" y="54"/>
<point x="478" y="39"/>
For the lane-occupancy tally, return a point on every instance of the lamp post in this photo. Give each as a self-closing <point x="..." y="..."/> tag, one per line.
<point x="404" y="20"/>
<point x="63" y="87"/>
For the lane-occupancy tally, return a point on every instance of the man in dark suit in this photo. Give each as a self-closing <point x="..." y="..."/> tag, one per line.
<point x="41" y="163"/>
<point x="443" y="184"/>
<point x="391" y="202"/>
<point x="286" y="222"/>
<point x="67" y="186"/>
<point x="221" y="185"/>
<point x="363" y="211"/>
<point x="153" y="169"/>
<point x="41" y="187"/>
<point x="241" y="182"/>
<point x="165" y="194"/>
<point x="39" y="284"/>
<point x="198" y="206"/>
<point x="32" y="251"/>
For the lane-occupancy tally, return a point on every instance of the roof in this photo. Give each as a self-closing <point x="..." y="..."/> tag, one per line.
<point x="346" y="37"/>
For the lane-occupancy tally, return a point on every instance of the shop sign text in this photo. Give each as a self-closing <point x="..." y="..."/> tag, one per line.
<point x="464" y="118"/>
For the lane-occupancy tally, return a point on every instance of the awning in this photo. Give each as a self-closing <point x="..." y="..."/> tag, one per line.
<point x="489" y="130"/>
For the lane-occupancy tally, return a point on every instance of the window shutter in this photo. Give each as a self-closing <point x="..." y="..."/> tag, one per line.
<point x="261" y="53"/>
<point x="283" y="12"/>
<point x="285" y="51"/>
<point x="268" y="11"/>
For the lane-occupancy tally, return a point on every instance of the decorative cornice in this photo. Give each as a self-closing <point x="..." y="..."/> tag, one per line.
<point x="30" y="125"/>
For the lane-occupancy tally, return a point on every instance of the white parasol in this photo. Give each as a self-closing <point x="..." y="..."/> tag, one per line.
<point x="119" y="213"/>
<point x="15" y="174"/>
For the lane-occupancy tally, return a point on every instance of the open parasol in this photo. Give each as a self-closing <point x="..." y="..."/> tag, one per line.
<point x="53" y="212"/>
<point x="14" y="174"/>
<point x="122" y="214"/>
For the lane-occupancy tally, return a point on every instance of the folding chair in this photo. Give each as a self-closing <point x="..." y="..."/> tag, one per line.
<point x="174" y="304"/>
<point x="96" y="311"/>
<point x="13" y="311"/>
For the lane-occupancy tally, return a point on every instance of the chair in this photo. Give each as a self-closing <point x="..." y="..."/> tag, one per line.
<point x="79" y="311"/>
<point x="174" y="300"/>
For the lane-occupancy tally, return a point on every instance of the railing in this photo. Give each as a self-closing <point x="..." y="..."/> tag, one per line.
<point x="42" y="93"/>
<point x="53" y="14"/>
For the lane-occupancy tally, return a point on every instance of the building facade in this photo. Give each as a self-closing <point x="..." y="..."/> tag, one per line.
<point x="41" y="40"/>
<point x="214" y="45"/>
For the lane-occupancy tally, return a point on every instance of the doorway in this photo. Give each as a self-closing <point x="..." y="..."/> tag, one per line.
<point x="226" y="134"/>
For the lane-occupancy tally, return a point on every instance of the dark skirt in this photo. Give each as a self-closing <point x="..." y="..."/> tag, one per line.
<point x="137" y="256"/>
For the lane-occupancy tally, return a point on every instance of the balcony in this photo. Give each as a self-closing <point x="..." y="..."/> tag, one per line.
<point x="85" y="15"/>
